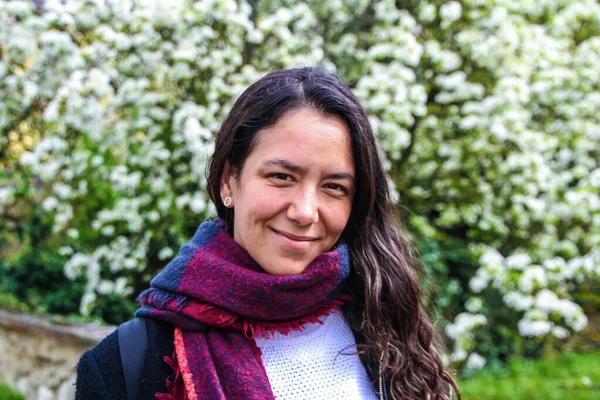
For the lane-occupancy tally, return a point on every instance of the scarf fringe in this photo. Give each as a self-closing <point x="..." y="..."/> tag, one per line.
<point x="251" y="328"/>
<point x="161" y="298"/>
<point x="211" y="315"/>
<point x="173" y="381"/>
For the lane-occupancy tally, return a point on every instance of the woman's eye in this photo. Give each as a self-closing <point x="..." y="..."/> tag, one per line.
<point x="336" y="187"/>
<point x="279" y="176"/>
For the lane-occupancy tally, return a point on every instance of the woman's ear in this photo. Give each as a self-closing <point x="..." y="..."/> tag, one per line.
<point x="227" y="181"/>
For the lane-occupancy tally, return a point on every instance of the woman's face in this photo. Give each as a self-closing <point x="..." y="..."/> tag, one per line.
<point x="293" y="198"/>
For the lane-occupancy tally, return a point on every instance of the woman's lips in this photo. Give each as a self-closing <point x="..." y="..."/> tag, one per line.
<point x="298" y="242"/>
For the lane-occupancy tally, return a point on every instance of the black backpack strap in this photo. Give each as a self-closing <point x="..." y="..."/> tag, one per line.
<point x="133" y="340"/>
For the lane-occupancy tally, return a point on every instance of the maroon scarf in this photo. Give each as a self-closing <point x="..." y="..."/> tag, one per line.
<point x="215" y="283"/>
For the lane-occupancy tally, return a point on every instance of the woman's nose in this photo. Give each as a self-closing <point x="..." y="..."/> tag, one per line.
<point x="304" y="208"/>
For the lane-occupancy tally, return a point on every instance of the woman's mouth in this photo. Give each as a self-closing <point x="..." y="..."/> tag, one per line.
<point x="295" y="241"/>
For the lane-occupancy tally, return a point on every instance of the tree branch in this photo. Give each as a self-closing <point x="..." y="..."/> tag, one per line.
<point x="406" y="153"/>
<point x="249" y="47"/>
<point x="408" y="150"/>
<point x="361" y="23"/>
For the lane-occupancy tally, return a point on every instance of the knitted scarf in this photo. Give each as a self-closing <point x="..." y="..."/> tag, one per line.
<point x="214" y="283"/>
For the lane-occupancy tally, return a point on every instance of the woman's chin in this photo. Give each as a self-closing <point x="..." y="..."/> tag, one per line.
<point x="285" y="267"/>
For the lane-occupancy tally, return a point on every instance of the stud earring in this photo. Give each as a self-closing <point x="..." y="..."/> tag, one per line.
<point x="227" y="201"/>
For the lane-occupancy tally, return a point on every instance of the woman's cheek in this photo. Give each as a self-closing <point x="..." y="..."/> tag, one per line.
<point x="268" y="202"/>
<point x="338" y="215"/>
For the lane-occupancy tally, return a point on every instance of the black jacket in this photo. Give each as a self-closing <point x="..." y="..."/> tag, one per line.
<point x="100" y="372"/>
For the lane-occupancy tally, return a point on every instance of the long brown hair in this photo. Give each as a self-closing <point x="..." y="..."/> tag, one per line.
<point x="385" y="311"/>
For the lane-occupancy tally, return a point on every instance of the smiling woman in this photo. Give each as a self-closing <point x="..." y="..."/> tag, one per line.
<point x="292" y="200"/>
<point x="305" y="286"/>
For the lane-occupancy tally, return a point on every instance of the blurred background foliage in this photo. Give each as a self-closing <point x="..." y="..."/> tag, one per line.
<point x="486" y="113"/>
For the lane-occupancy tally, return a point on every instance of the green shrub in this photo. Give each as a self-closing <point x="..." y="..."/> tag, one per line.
<point x="485" y="113"/>
<point x="571" y="376"/>
<point x="6" y="393"/>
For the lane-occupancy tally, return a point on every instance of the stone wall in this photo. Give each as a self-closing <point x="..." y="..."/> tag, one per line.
<point x="38" y="358"/>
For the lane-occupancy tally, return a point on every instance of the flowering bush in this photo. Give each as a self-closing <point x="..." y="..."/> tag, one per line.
<point x="486" y="112"/>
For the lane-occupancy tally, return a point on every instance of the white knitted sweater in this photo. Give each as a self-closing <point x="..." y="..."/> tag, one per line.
<point x="317" y="363"/>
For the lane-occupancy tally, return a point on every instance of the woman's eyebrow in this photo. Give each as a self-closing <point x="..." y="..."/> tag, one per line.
<point x="279" y="162"/>
<point x="341" y="175"/>
<point x="286" y="164"/>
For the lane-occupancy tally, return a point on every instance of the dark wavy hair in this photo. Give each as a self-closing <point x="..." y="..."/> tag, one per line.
<point x="385" y="311"/>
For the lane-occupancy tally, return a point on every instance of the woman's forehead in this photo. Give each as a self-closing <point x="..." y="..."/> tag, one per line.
<point x="305" y="136"/>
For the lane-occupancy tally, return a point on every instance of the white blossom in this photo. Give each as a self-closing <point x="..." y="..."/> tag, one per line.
<point x="474" y="305"/>
<point x="451" y="11"/>
<point x="475" y="361"/>
<point x="427" y="13"/>
<point x="534" y="328"/>
<point x="108" y="230"/>
<point x="87" y="303"/>
<point x="478" y="283"/>
<point x="518" y="261"/>
<point x="105" y="287"/>
<point x="458" y="355"/>
<point x="165" y="253"/>
<point x="6" y="194"/>
<point x="465" y="322"/>
<point x="533" y="276"/>
<point x="50" y="203"/>
<point x="518" y="301"/>
<point x="560" y="333"/>
<point x="65" y="251"/>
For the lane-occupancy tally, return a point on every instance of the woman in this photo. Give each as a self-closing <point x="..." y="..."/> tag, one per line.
<point x="305" y="286"/>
